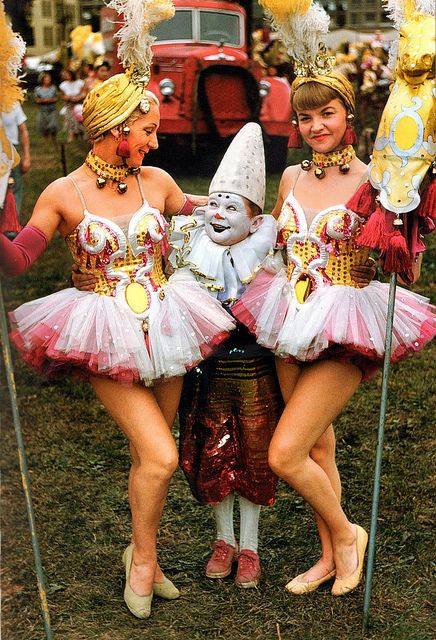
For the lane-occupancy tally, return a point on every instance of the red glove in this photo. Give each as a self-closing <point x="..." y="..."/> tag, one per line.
<point x="17" y="255"/>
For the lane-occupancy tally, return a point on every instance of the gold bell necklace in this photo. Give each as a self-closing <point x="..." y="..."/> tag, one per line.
<point x="106" y="171"/>
<point x="341" y="159"/>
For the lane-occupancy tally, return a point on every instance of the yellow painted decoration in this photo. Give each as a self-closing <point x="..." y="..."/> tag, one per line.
<point x="406" y="133"/>
<point x="137" y="297"/>
<point x="405" y="145"/>
<point x="303" y="288"/>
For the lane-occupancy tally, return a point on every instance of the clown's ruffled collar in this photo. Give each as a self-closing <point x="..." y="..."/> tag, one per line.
<point x="216" y="265"/>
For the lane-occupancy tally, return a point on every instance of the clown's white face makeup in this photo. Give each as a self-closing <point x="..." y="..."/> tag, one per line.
<point x="228" y="218"/>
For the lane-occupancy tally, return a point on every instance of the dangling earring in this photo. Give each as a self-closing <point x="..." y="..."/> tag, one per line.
<point x="123" y="147"/>
<point x="350" y="136"/>
<point x="295" y="141"/>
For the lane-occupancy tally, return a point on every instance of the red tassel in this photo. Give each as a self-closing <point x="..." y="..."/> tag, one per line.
<point x="123" y="149"/>
<point x="427" y="206"/>
<point x="374" y="231"/>
<point x="350" y="136"/>
<point x="363" y="202"/>
<point x="396" y="258"/>
<point x="9" y="215"/>
<point x="295" y="141"/>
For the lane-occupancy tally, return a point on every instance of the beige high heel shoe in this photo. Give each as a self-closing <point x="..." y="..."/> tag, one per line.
<point x="341" y="586"/>
<point x="298" y="587"/>
<point x="166" y="589"/>
<point x="140" y="606"/>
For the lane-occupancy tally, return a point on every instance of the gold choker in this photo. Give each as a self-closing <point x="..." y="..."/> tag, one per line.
<point x="341" y="159"/>
<point x="106" y="171"/>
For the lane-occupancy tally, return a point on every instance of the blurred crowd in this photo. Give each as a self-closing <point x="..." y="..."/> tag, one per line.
<point x="363" y="63"/>
<point x="69" y="87"/>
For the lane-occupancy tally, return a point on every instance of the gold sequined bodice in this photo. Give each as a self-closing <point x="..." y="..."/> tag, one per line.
<point x="127" y="264"/>
<point x="322" y="253"/>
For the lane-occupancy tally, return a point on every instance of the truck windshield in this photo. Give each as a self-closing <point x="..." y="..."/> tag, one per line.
<point x="217" y="26"/>
<point x="201" y="26"/>
<point x="178" y="28"/>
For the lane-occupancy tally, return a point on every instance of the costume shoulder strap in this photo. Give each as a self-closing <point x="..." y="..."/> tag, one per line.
<point x="295" y="179"/>
<point x="141" y="188"/>
<point x="82" y="199"/>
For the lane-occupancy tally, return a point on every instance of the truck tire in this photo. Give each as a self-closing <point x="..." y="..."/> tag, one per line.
<point x="276" y="152"/>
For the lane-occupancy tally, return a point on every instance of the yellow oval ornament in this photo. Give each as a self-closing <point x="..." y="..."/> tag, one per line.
<point x="406" y="132"/>
<point x="303" y="288"/>
<point x="137" y="297"/>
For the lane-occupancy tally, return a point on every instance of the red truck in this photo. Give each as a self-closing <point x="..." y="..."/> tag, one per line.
<point x="207" y="83"/>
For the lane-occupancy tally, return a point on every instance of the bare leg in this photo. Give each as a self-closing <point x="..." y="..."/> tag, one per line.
<point x="323" y="452"/>
<point x="154" y="452"/>
<point x="319" y="393"/>
<point x="167" y="393"/>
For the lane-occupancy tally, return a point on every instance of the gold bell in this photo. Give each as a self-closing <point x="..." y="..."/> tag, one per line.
<point x="306" y="165"/>
<point x="319" y="173"/>
<point x="398" y="222"/>
<point x="101" y="182"/>
<point x="121" y="187"/>
<point x="344" y="168"/>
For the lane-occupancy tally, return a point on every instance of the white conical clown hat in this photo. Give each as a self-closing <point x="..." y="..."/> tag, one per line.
<point x="242" y="169"/>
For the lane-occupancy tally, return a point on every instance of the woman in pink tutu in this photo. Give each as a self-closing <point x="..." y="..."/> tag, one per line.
<point x="327" y="331"/>
<point x="137" y="333"/>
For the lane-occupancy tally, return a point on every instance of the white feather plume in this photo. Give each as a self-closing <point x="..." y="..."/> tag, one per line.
<point x="16" y="60"/>
<point x="140" y="17"/>
<point x="303" y="33"/>
<point x="396" y="10"/>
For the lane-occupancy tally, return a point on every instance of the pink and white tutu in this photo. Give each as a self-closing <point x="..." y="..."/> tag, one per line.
<point x="137" y="326"/>
<point x="334" y="320"/>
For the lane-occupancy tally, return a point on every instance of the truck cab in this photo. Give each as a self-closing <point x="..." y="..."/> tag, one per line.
<point x="209" y="86"/>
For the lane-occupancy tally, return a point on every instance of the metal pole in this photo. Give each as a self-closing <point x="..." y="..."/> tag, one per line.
<point x="23" y="469"/>
<point x="379" y="452"/>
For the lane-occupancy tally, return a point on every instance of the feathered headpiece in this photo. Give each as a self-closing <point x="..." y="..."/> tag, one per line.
<point x="111" y="103"/>
<point x="11" y="55"/>
<point x="302" y="25"/>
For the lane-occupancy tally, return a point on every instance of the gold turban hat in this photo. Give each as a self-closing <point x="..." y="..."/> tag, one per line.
<point x="111" y="103"/>
<point x="333" y="80"/>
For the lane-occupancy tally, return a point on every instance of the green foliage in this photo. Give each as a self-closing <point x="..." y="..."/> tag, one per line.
<point x="79" y="463"/>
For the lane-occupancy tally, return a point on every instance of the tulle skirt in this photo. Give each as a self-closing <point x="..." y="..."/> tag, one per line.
<point x="84" y="333"/>
<point x="336" y="321"/>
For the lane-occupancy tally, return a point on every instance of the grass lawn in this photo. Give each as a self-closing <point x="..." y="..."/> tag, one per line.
<point x="79" y="463"/>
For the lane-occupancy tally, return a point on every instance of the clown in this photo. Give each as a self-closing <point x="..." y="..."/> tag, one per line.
<point x="230" y="403"/>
